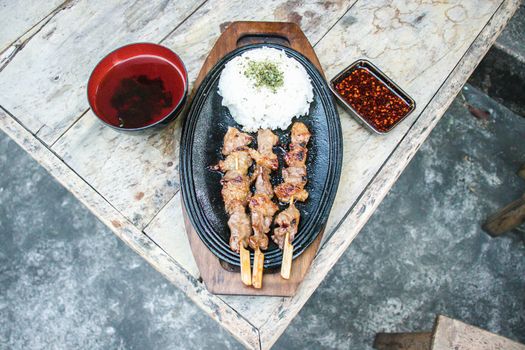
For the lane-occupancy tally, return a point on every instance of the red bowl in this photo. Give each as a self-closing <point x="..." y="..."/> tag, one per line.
<point x="138" y="86"/>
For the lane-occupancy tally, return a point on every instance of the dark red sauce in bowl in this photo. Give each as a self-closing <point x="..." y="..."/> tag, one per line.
<point x="138" y="86"/>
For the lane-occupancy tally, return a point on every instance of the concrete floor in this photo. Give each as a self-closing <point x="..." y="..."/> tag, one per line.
<point x="66" y="282"/>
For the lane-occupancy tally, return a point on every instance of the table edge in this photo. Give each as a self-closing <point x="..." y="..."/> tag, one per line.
<point x="241" y="328"/>
<point x="384" y="179"/>
<point x="137" y="240"/>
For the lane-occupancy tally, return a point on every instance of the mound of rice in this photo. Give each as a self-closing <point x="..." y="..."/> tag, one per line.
<point x="263" y="107"/>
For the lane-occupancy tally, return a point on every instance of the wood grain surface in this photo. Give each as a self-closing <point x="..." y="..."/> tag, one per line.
<point x="19" y="17"/>
<point x="387" y="175"/>
<point x="151" y="157"/>
<point x="457" y="335"/>
<point x="219" y="277"/>
<point x="429" y="48"/>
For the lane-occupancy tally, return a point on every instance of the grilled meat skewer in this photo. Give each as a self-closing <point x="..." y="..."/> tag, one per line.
<point x="235" y="140"/>
<point x="294" y="175"/>
<point x="261" y="206"/>
<point x="264" y="155"/>
<point x="236" y="161"/>
<point x="292" y="188"/>
<point x="261" y="178"/>
<point x="236" y="186"/>
<point x="262" y="209"/>
<point x="287" y="221"/>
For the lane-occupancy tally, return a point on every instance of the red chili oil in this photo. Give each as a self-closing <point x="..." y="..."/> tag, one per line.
<point x="372" y="99"/>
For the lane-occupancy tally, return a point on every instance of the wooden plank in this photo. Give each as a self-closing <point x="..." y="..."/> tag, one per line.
<point x="168" y="231"/>
<point x="507" y="218"/>
<point x="175" y="242"/>
<point x="417" y="45"/>
<point x="403" y="341"/>
<point x="360" y="167"/>
<point x="216" y="308"/>
<point x="454" y="334"/>
<point x="196" y="36"/>
<point x="137" y="173"/>
<point x="18" y="17"/>
<point x="386" y="177"/>
<point x="97" y="153"/>
<point x="54" y="66"/>
<point x="254" y="308"/>
<point x="194" y="47"/>
<point x="369" y="199"/>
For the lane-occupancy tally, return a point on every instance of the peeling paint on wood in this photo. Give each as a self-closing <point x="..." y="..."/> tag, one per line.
<point x="387" y="175"/>
<point x="69" y="46"/>
<point x="408" y="41"/>
<point x="417" y="43"/>
<point x="18" y="17"/>
<point x="97" y="153"/>
<point x="137" y="183"/>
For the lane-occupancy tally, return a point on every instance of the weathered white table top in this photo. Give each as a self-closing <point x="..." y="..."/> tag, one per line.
<point x="131" y="181"/>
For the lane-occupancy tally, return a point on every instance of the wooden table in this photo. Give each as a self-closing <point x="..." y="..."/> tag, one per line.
<point x="446" y="334"/>
<point x="131" y="181"/>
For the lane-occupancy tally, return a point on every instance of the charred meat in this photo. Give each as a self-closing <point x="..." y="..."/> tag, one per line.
<point x="236" y="161"/>
<point x="261" y="177"/>
<point x="262" y="210"/>
<point x="236" y="185"/>
<point x="261" y="206"/>
<point x="235" y="190"/>
<point x="240" y="227"/>
<point x="235" y="140"/>
<point x="294" y="175"/>
<point x="287" y="221"/>
<point x="264" y="155"/>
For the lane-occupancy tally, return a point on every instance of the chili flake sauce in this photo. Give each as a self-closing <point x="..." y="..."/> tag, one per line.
<point x="372" y="98"/>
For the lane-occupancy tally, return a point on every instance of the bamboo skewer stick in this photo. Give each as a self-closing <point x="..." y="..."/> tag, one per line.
<point x="258" y="265"/>
<point x="286" y="264"/>
<point x="246" y="275"/>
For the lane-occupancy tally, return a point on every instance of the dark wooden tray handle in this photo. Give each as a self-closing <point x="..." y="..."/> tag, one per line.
<point x="286" y="33"/>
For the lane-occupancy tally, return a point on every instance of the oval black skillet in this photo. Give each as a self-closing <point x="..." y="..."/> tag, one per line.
<point x="201" y="142"/>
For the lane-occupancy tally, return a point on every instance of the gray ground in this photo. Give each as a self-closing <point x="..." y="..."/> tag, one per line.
<point x="67" y="282"/>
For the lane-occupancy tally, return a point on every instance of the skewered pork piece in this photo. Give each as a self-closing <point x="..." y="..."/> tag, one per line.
<point x="236" y="194"/>
<point x="235" y="190"/>
<point x="234" y="140"/>
<point x="236" y="161"/>
<point x="294" y="175"/>
<point x="291" y="189"/>
<point x="261" y="206"/>
<point x="264" y="155"/>
<point x="261" y="178"/>
<point x="236" y="185"/>
<point x="287" y="221"/>
<point x="240" y="230"/>
<point x="262" y="209"/>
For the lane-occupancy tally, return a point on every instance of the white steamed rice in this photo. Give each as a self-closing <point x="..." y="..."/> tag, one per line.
<point x="260" y="107"/>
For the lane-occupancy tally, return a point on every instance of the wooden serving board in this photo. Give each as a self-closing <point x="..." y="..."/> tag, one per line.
<point x="219" y="277"/>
